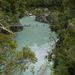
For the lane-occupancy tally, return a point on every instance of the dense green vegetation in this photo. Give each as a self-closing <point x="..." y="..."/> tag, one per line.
<point x="65" y="53"/>
<point x="12" y="61"/>
<point x="62" y="18"/>
<point x="11" y="11"/>
<point x="63" y="22"/>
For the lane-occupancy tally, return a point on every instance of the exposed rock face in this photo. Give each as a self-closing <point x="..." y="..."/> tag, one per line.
<point x="42" y="18"/>
<point x="42" y="15"/>
<point x="16" y="28"/>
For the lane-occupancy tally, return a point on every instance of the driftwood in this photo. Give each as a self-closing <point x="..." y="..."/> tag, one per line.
<point x="5" y="30"/>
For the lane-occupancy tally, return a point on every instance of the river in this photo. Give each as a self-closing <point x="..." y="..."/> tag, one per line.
<point x="39" y="37"/>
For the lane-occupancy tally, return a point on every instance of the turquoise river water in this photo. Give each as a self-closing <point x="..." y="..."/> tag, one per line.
<point x="39" y="37"/>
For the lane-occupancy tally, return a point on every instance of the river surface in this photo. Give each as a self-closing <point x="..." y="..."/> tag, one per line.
<point x="39" y="37"/>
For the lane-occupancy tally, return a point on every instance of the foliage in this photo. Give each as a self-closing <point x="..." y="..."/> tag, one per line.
<point x="12" y="61"/>
<point x="63" y="23"/>
<point x="62" y="17"/>
<point x="11" y="11"/>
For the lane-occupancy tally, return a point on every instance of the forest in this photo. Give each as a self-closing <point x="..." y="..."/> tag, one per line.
<point x="62" y="20"/>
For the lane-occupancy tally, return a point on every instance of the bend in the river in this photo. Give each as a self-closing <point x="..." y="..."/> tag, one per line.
<point x="40" y="39"/>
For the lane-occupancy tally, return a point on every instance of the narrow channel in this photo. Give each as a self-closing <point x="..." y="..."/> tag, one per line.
<point x="39" y="37"/>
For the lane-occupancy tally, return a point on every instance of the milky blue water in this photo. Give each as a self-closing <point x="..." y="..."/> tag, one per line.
<point x="40" y="39"/>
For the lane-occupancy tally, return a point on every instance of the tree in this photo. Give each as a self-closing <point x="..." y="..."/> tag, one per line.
<point x="12" y="61"/>
<point x="63" y="24"/>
